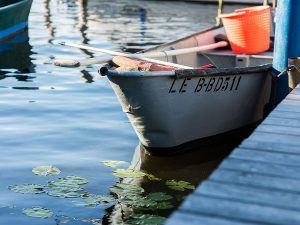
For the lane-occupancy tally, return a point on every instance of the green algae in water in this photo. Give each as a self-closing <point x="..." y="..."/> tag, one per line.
<point x="66" y="191"/>
<point x="179" y="185"/>
<point x="113" y="163"/>
<point x="38" y="212"/>
<point x="27" y="188"/>
<point x="46" y="170"/>
<point x="68" y="181"/>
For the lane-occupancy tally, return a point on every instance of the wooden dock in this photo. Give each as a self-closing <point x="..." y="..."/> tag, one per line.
<point x="259" y="182"/>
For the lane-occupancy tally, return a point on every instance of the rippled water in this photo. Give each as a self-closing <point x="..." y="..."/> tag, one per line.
<point x="70" y="118"/>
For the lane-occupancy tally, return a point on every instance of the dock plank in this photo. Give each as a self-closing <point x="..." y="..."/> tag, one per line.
<point x="184" y="218"/>
<point x="270" y="146"/>
<point x="279" y="129"/>
<point x="265" y="156"/>
<point x="268" y="168"/>
<point x="248" y="194"/>
<point x="256" y="180"/>
<point x="284" y="114"/>
<point x="240" y="211"/>
<point x="271" y="138"/>
<point x="286" y="122"/>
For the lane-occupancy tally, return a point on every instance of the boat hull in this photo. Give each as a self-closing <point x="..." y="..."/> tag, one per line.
<point x="13" y="17"/>
<point x="168" y="110"/>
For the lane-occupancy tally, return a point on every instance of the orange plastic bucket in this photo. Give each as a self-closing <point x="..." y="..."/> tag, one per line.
<point x="248" y="29"/>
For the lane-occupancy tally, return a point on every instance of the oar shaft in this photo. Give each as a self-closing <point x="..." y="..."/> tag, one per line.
<point x="143" y="56"/>
<point x="136" y="56"/>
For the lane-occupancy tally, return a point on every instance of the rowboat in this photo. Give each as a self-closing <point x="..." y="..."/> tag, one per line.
<point x="13" y="17"/>
<point x="172" y="109"/>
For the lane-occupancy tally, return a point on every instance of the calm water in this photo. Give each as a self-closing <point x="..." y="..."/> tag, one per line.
<point x="70" y="118"/>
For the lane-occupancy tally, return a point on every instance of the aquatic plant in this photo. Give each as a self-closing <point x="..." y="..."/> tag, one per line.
<point x="113" y="163"/>
<point x="179" y="185"/>
<point x="27" y="188"/>
<point x="68" y="181"/>
<point x="145" y="219"/>
<point x="66" y="191"/>
<point x="38" y="212"/>
<point x="46" y="170"/>
<point x="125" y="173"/>
<point x="93" y="200"/>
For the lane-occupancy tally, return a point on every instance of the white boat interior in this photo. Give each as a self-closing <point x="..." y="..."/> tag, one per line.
<point x="221" y="58"/>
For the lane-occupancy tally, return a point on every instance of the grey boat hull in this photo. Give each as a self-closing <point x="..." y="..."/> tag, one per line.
<point x="166" y="111"/>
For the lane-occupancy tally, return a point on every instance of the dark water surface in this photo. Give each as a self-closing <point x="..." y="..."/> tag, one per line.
<point x="70" y="118"/>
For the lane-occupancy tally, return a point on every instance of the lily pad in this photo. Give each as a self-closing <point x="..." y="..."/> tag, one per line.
<point x="146" y="219"/>
<point x="179" y="185"/>
<point x="38" y="212"/>
<point x="159" y="196"/>
<point x="162" y="205"/>
<point x="127" y="190"/>
<point x="93" y="200"/>
<point x="68" y="181"/>
<point x="66" y="192"/>
<point x="27" y="188"/>
<point x="46" y="170"/>
<point x="123" y="173"/>
<point x="152" y="177"/>
<point x="113" y="163"/>
<point x="139" y="202"/>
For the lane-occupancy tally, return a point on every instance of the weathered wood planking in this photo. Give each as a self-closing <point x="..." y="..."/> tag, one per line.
<point x="259" y="183"/>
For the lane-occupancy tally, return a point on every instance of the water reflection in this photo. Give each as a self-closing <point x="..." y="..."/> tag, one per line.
<point x="15" y="54"/>
<point x="193" y="167"/>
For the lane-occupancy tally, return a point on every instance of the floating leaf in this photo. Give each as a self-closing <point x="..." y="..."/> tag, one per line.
<point x="46" y="170"/>
<point x="66" y="192"/>
<point x="146" y="203"/>
<point x="139" y="202"/>
<point x="162" y="205"/>
<point x="38" y="212"/>
<point x="159" y="196"/>
<point x="93" y="200"/>
<point x="152" y="177"/>
<point x="113" y="163"/>
<point x="128" y="173"/>
<point x="179" y="185"/>
<point x="68" y="181"/>
<point x="27" y="188"/>
<point x="123" y="173"/>
<point x="127" y="190"/>
<point x="146" y="219"/>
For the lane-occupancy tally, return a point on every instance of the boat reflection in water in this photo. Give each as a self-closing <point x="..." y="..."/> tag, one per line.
<point x="192" y="166"/>
<point x="15" y="54"/>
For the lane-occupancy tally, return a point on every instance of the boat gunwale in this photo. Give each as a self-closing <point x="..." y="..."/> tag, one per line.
<point x="13" y="5"/>
<point x="187" y="73"/>
<point x="215" y="27"/>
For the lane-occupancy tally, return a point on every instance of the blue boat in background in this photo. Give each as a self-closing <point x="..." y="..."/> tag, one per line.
<point x="13" y="17"/>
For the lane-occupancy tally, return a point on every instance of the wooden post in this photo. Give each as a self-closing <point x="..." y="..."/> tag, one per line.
<point x="287" y="44"/>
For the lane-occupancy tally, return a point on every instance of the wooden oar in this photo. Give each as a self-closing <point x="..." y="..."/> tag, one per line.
<point x="70" y="63"/>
